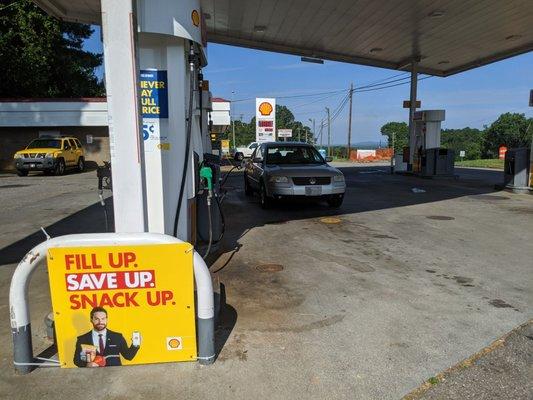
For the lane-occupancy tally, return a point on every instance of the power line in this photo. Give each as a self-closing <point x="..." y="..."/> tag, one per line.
<point x="295" y="96"/>
<point x="390" y="77"/>
<point x="388" y="86"/>
<point x="385" y="83"/>
<point x="316" y="101"/>
<point x="365" y="88"/>
<point x="340" y="107"/>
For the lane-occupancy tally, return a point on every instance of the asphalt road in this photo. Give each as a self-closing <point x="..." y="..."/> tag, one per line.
<point x="398" y="288"/>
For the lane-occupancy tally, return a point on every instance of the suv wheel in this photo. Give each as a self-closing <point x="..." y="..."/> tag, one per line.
<point x="266" y="202"/>
<point x="60" y="167"/>
<point x="81" y="164"/>
<point x="21" y="172"/>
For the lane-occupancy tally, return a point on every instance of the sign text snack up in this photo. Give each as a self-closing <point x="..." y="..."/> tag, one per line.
<point x="144" y="291"/>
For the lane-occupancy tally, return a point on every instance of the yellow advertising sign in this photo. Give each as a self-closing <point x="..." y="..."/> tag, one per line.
<point x="224" y="144"/>
<point x="122" y="305"/>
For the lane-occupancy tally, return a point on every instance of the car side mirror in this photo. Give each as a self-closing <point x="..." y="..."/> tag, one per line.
<point x="238" y="156"/>
<point x="329" y="159"/>
<point x="257" y="160"/>
<point x="67" y="147"/>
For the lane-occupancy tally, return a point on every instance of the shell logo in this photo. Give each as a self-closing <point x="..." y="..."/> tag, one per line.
<point x="174" y="343"/>
<point x="195" y="17"/>
<point x="265" y="108"/>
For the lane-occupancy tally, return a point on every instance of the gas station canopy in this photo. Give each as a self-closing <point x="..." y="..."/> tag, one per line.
<point x="447" y="36"/>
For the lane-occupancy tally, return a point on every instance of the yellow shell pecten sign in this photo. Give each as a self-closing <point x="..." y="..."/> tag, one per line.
<point x="195" y="17"/>
<point x="265" y="108"/>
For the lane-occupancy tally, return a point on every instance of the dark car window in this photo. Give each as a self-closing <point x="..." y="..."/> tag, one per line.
<point x="293" y="155"/>
<point x="78" y="144"/>
<point x="72" y="143"/>
<point x="42" y="143"/>
<point x="253" y="145"/>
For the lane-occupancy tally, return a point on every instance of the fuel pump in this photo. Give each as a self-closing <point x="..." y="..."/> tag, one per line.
<point x="210" y="217"/>
<point x="429" y="158"/>
<point x="103" y="173"/>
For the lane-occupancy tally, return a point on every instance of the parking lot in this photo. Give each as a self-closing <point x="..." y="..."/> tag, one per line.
<point x="366" y="301"/>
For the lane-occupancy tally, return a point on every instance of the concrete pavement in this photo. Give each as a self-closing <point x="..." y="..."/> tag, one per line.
<point x="402" y="287"/>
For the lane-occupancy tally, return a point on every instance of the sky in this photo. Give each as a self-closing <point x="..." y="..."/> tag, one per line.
<point x="473" y="98"/>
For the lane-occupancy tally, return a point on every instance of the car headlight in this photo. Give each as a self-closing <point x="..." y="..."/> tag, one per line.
<point x="17" y="156"/>
<point x="50" y="155"/>
<point x="338" y="178"/>
<point x="279" y="179"/>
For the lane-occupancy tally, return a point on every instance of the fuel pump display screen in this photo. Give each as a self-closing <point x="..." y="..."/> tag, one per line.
<point x="267" y="125"/>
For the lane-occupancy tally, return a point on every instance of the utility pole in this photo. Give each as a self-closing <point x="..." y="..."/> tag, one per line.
<point x="412" y="109"/>
<point x="321" y="129"/>
<point x="392" y="156"/>
<point x="329" y="132"/>
<point x="314" y="132"/>
<point x="233" y="117"/>
<point x="350" y="125"/>
<point x="299" y="132"/>
<point x="233" y="128"/>
<point x="531" y="150"/>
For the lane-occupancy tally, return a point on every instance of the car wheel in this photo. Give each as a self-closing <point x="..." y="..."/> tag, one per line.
<point x="266" y="202"/>
<point x="81" y="164"/>
<point x="21" y="172"/>
<point x="60" y="167"/>
<point x="247" y="188"/>
<point x="335" y="201"/>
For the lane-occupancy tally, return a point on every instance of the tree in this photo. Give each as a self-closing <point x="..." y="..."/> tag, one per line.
<point x="44" y="57"/>
<point x="285" y="120"/>
<point x="468" y="139"/>
<point x="511" y="130"/>
<point x="284" y="117"/>
<point x="400" y="130"/>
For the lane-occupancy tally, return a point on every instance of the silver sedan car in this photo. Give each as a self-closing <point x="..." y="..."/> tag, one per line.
<point x="283" y="169"/>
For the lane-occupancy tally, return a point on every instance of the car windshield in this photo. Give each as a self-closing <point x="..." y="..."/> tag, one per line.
<point x="45" y="143"/>
<point x="293" y="155"/>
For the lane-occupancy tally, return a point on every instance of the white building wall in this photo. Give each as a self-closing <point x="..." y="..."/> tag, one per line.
<point x="53" y="113"/>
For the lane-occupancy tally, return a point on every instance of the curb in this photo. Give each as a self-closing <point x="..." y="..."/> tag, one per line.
<point x="466" y="363"/>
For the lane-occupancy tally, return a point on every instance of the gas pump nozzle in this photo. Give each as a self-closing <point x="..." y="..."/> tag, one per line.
<point x="206" y="174"/>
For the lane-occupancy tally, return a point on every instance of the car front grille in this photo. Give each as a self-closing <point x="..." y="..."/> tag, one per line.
<point x="319" y="180"/>
<point x="34" y="155"/>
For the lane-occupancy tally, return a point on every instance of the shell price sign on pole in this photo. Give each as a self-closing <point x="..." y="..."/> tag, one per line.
<point x="265" y="120"/>
<point x="120" y="305"/>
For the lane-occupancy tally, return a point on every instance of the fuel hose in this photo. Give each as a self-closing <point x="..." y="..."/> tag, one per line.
<point x="192" y="65"/>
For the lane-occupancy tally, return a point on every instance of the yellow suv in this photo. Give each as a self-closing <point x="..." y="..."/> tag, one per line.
<point x="51" y="155"/>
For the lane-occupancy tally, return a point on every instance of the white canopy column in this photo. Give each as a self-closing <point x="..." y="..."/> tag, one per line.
<point x="119" y="29"/>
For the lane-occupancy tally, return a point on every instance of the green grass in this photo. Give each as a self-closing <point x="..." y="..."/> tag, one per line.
<point x="433" y="380"/>
<point x="493" y="163"/>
